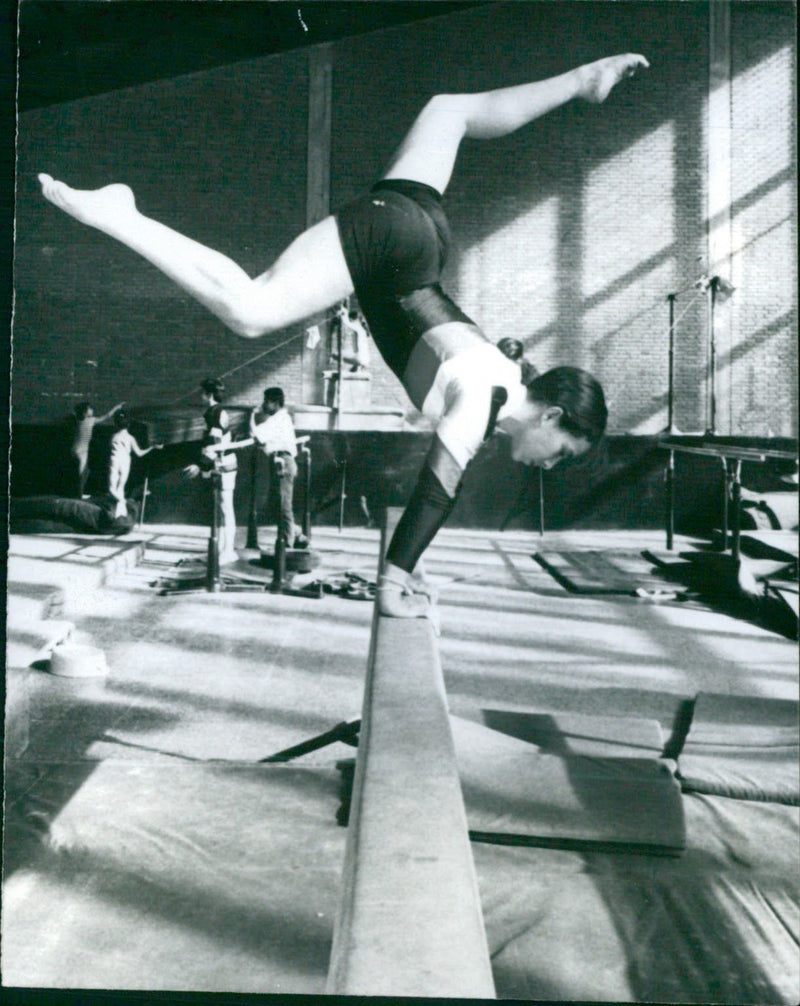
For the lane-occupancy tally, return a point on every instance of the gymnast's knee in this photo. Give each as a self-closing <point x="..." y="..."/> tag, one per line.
<point x="247" y="318"/>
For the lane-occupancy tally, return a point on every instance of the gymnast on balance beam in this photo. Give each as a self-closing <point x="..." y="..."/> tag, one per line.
<point x="389" y="247"/>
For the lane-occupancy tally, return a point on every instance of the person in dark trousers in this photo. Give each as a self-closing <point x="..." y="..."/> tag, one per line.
<point x="215" y="460"/>
<point x="273" y="431"/>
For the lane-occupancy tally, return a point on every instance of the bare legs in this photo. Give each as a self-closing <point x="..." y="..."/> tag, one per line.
<point x="117" y="481"/>
<point x="227" y="519"/>
<point x="428" y="152"/>
<point x="312" y="275"/>
<point x="309" y="276"/>
<point x="81" y="462"/>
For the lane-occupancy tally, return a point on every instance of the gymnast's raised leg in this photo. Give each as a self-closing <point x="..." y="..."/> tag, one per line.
<point x="312" y="274"/>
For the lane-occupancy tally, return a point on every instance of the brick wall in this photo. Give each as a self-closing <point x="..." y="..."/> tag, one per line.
<point x="761" y="363"/>
<point x="569" y="234"/>
<point x="218" y="155"/>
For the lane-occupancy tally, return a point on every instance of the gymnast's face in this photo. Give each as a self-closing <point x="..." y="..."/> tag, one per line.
<point x="541" y="440"/>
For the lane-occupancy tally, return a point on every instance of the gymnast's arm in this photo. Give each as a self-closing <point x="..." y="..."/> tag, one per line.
<point x="459" y="435"/>
<point x="141" y="451"/>
<point x="431" y="503"/>
<point x="111" y="412"/>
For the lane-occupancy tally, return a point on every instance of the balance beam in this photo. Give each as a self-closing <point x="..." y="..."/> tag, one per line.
<point x="409" y="920"/>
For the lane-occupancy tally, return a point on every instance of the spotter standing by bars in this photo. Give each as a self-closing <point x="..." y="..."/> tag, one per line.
<point x="273" y="431"/>
<point x="389" y="247"/>
<point x="84" y="422"/>
<point x="213" y="461"/>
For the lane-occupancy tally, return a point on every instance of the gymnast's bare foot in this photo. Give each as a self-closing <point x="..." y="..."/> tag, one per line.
<point x="101" y="208"/>
<point x="597" y="79"/>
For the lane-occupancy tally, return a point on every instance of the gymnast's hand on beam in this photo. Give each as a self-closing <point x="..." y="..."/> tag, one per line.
<point x="395" y="602"/>
<point x="400" y="596"/>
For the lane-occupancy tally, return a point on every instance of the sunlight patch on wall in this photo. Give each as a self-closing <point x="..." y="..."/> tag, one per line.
<point x="764" y="231"/>
<point x="763" y="104"/>
<point x="628" y="210"/>
<point x="627" y="332"/>
<point x="761" y="365"/>
<point x="523" y="294"/>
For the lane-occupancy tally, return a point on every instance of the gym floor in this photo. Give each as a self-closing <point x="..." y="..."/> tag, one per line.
<point x="146" y="846"/>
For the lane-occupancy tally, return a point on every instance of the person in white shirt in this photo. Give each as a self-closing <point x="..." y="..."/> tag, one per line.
<point x="123" y="444"/>
<point x="273" y="431"/>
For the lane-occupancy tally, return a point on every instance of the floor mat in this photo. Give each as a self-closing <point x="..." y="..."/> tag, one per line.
<point x="607" y="572"/>
<point x="744" y="747"/>
<point x="517" y="795"/>
<point x="716" y="925"/>
<point x="172" y="876"/>
<point x="565" y="733"/>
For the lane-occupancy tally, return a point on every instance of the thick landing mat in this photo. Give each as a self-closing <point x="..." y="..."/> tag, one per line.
<point x="743" y="747"/>
<point x="607" y="572"/>
<point x="718" y="925"/>
<point x="514" y="794"/>
<point x="171" y="876"/>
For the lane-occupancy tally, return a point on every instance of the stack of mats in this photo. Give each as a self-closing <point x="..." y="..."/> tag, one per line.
<point x="575" y="782"/>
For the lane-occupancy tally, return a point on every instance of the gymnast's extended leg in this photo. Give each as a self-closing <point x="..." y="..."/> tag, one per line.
<point x="312" y="275"/>
<point x="429" y="150"/>
<point x="309" y="276"/>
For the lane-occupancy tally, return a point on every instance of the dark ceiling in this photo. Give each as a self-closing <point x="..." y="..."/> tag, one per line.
<point x="69" y="49"/>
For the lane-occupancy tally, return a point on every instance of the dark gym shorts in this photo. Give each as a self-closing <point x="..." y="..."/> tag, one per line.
<point x="396" y="236"/>
<point x="395" y="241"/>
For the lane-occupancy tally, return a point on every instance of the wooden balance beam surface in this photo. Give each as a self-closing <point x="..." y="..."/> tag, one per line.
<point x="410" y="920"/>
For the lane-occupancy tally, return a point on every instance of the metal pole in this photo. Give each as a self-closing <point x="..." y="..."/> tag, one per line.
<point x="252" y="523"/>
<point x="712" y="358"/>
<point x="736" y="504"/>
<point x="305" y="450"/>
<point x="670" y="472"/>
<point x="145" y="493"/>
<point x="670" y="477"/>
<point x="342" y="493"/>
<point x="278" y="564"/>
<point x="671" y="365"/>
<point x="213" y="580"/>
<point x="339" y="367"/>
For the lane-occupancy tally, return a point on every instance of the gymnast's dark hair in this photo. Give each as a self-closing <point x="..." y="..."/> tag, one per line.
<point x="275" y="395"/>
<point x="578" y="395"/>
<point x="82" y="410"/>
<point x="514" y="350"/>
<point x="213" y="386"/>
<point x="121" y="420"/>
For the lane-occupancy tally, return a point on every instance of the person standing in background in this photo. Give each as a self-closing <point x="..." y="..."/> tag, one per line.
<point x="123" y="444"/>
<point x="273" y="431"/>
<point x="84" y="423"/>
